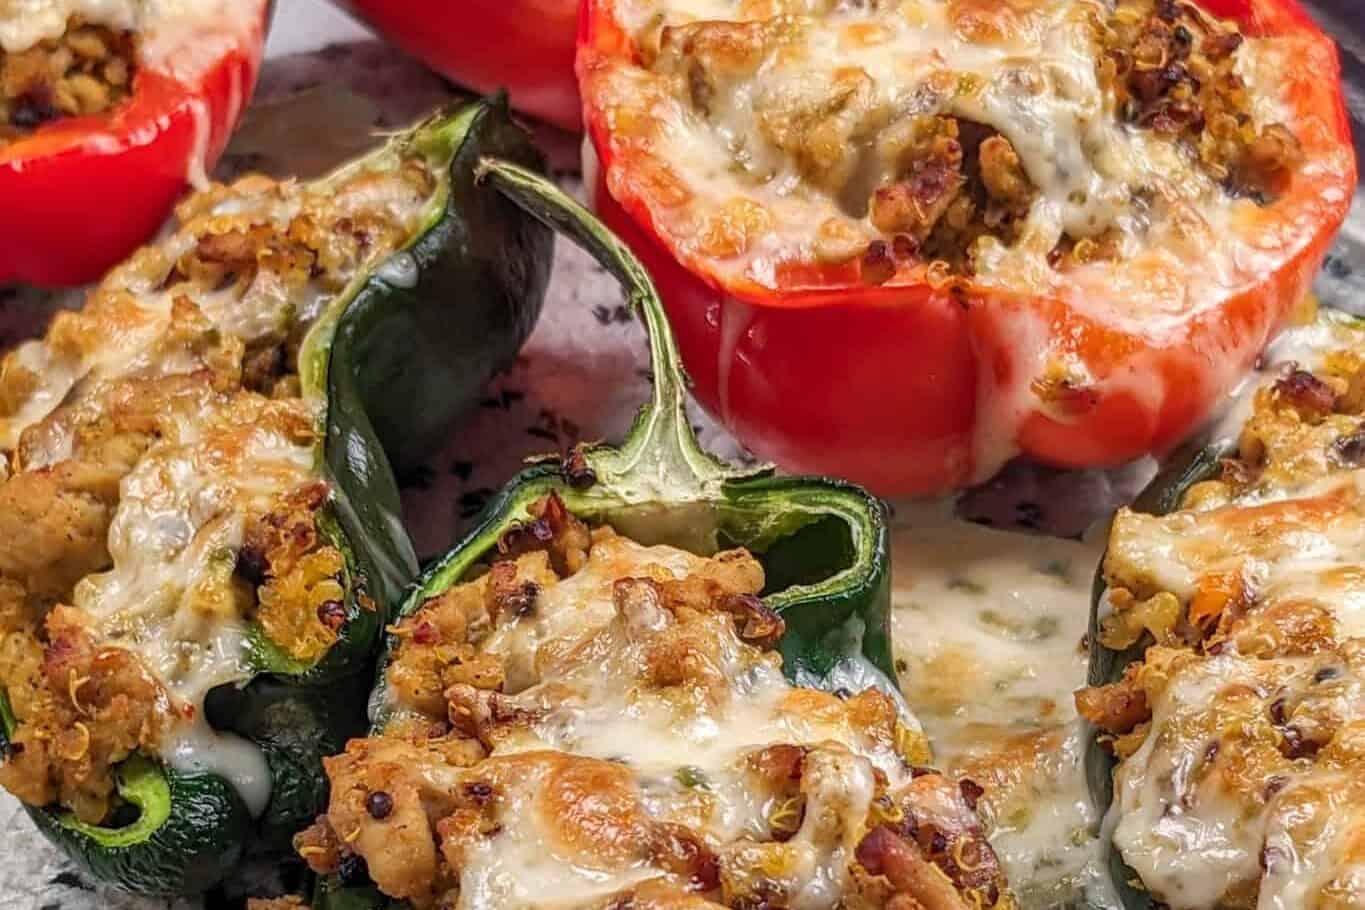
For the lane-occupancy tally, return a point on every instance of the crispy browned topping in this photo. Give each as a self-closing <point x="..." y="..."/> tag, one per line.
<point x="957" y="182"/>
<point x="553" y="530"/>
<point x="933" y="185"/>
<point x="81" y="710"/>
<point x="299" y="577"/>
<point x="1173" y="70"/>
<point x="1304" y="425"/>
<point x="445" y="790"/>
<point x="230" y="345"/>
<point x="1115" y="708"/>
<point x="88" y="70"/>
<point x="1250" y="670"/>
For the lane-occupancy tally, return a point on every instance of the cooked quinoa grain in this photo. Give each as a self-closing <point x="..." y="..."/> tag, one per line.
<point x="194" y="467"/>
<point x="87" y="71"/>
<point x="1173" y="70"/>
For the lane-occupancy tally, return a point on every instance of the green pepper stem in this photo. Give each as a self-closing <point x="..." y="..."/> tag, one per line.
<point x="661" y="452"/>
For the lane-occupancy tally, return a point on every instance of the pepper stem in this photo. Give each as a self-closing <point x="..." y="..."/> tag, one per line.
<point x="661" y="452"/>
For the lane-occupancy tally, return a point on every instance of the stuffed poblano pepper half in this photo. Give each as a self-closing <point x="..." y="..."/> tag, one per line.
<point x="200" y="537"/>
<point x="647" y="679"/>
<point x="1227" y="662"/>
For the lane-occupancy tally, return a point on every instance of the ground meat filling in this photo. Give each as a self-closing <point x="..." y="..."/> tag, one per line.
<point x="897" y="164"/>
<point x="494" y="688"/>
<point x="1252" y="671"/>
<point x="219" y="310"/>
<point x="1173" y="70"/>
<point x="87" y="71"/>
<point x="957" y="182"/>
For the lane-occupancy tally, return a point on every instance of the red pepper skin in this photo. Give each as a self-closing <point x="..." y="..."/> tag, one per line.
<point x="896" y="386"/>
<point x="81" y="193"/>
<point x="523" y="46"/>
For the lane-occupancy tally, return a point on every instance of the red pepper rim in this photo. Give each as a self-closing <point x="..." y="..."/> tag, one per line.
<point x="1322" y="197"/>
<point x="157" y="92"/>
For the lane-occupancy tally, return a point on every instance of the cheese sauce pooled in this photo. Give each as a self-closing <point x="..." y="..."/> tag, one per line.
<point x="593" y="722"/>
<point x="988" y="630"/>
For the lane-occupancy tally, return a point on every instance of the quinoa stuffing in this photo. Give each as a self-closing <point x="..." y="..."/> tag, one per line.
<point x="187" y="462"/>
<point x="943" y="135"/>
<point x="546" y="732"/>
<point x="87" y="71"/>
<point x="1173" y="70"/>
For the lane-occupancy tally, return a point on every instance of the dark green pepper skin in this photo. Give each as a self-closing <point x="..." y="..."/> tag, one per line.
<point x="824" y="544"/>
<point x="394" y="360"/>
<point x="1194" y="463"/>
<point x="296" y="728"/>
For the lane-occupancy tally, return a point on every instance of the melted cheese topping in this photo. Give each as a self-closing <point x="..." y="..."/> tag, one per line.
<point x="1029" y="73"/>
<point x="126" y="329"/>
<point x="987" y="631"/>
<point x="163" y="24"/>
<point x="1199" y="822"/>
<point x="176" y="389"/>
<point x="1242" y="772"/>
<point x="171" y="594"/>
<point x="1302" y="550"/>
<point x="594" y="707"/>
<point x="625" y="716"/>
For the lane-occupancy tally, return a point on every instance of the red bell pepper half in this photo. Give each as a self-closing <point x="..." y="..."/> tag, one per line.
<point x="79" y="193"/>
<point x="912" y="381"/>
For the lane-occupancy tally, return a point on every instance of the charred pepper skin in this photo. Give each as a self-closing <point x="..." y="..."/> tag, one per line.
<point x="823" y="543"/>
<point x="393" y="361"/>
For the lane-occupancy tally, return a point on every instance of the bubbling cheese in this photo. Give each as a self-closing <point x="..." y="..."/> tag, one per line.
<point x="1240" y="776"/>
<point x="797" y="108"/>
<point x="627" y="726"/>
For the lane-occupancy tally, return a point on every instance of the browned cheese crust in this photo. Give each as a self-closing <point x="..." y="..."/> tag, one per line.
<point x="493" y="687"/>
<point x="1246" y="596"/>
<point x="210" y="318"/>
<point x="931" y="184"/>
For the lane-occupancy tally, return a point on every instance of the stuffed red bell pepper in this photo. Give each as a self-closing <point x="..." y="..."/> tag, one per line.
<point x="523" y="46"/>
<point x="907" y="241"/>
<point x="108" y="109"/>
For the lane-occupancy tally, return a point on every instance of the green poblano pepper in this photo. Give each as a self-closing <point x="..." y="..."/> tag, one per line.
<point x="823" y="543"/>
<point x="1200" y="460"/>
<point x="391" y="359"/>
